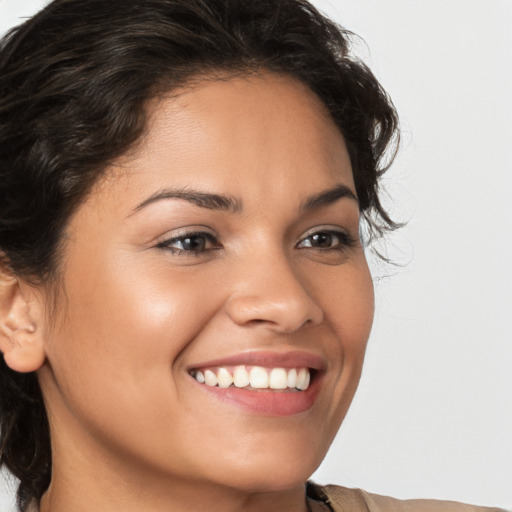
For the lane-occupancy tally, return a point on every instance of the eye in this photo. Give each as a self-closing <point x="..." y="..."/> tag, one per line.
<point x="326" y="240"/>
<point x="190" y="243"/>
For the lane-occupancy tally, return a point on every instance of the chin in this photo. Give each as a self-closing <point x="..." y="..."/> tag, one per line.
<point x="275" y="471"/>
<point x="277" y="480"/>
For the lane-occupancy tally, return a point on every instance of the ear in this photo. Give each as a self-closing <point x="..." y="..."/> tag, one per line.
<point x="21" y="339"/>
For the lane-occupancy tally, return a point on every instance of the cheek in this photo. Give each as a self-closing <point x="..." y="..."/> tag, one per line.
<point x="116" y="372"/>
<point x="129" y="299"/>
<point x="355" y="324"/>
<point x="358" y="310"/>
<point x="349" y="309"/>
<point x="348" y="304"/>
<point x="124" y="328"/>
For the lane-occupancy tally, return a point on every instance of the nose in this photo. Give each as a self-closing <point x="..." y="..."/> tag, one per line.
<point x="272" y="294"/>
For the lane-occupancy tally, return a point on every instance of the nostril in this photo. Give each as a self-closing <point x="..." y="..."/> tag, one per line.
<point x="257" y="321"/>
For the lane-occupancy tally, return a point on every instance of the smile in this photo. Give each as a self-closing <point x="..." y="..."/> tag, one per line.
<point x="254" y="377"/>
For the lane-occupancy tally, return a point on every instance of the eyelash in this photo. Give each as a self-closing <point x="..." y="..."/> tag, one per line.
<point x="205" y="236"/>
<point x="345" y="241"/>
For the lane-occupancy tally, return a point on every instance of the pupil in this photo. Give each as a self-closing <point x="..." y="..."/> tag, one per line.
<point x="322" y="239"/>
<point x="193" y="243"/>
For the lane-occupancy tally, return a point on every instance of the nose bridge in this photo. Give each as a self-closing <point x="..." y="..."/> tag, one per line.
<point x="270" y="291"/>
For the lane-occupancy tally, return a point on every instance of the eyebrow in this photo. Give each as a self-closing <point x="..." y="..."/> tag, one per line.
<point x="202" y="199"/>
<point x="328" y="197"/>
<point x="234" y="205"/>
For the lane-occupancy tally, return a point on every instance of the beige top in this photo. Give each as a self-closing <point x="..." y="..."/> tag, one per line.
<point x="332" y="498"/>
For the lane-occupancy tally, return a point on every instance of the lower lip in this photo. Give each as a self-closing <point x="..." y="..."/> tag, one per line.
<point x="267" y="402"/>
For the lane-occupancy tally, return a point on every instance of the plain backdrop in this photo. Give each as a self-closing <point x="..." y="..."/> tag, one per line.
<point x="433" y="414"/>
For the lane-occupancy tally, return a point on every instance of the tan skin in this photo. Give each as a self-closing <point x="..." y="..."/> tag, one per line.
<point x="131" y="429"/>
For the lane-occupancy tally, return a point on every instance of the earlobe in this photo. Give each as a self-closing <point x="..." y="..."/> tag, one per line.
<point x="20" y="338"/>
<point x="24" y="353"/>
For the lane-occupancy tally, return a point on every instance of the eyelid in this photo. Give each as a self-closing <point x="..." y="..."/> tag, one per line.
<point x="187" y="230"/>
<point x="166" y="240"/>
<point x="328" y="228"/>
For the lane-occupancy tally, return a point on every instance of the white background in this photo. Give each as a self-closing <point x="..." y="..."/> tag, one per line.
<point x="433" y="415"/>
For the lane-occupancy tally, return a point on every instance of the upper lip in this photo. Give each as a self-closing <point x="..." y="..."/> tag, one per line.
<point x="267" y="359"/>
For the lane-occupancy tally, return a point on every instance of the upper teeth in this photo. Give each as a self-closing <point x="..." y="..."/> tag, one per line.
<point x="256" y="377"/>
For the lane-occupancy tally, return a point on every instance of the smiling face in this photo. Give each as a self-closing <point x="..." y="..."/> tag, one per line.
<point x="226" y="247"/>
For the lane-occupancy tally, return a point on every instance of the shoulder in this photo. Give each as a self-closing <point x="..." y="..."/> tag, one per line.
<point x="341" y="499"/>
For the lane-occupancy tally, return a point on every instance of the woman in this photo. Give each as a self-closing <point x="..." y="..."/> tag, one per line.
<point x="185" y="295"/>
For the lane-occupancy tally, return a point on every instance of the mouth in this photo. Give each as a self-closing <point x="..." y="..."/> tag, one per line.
<point x="254" y="378"/>
<point x="263" y="383"/>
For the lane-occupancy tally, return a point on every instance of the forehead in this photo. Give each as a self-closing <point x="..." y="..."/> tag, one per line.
<point x="260" y="133"/>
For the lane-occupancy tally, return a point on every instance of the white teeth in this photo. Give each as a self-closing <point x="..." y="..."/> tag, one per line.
<point x="210" y="378"/>
<point x="225" y="378"/>
<point x="292" y="378"/>
<point x="240" y="377"/>
<point x="278" y="379"/>
<point x="258" y="378"/>
<point x="303" y="379"/>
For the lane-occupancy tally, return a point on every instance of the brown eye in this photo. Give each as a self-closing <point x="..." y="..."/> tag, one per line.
<point x="323" y="240"/>
<point x="326" y="240"/>
<point x="192" y="243"/>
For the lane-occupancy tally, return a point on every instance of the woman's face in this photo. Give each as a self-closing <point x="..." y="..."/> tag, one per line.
<point x="226" y="246"/>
